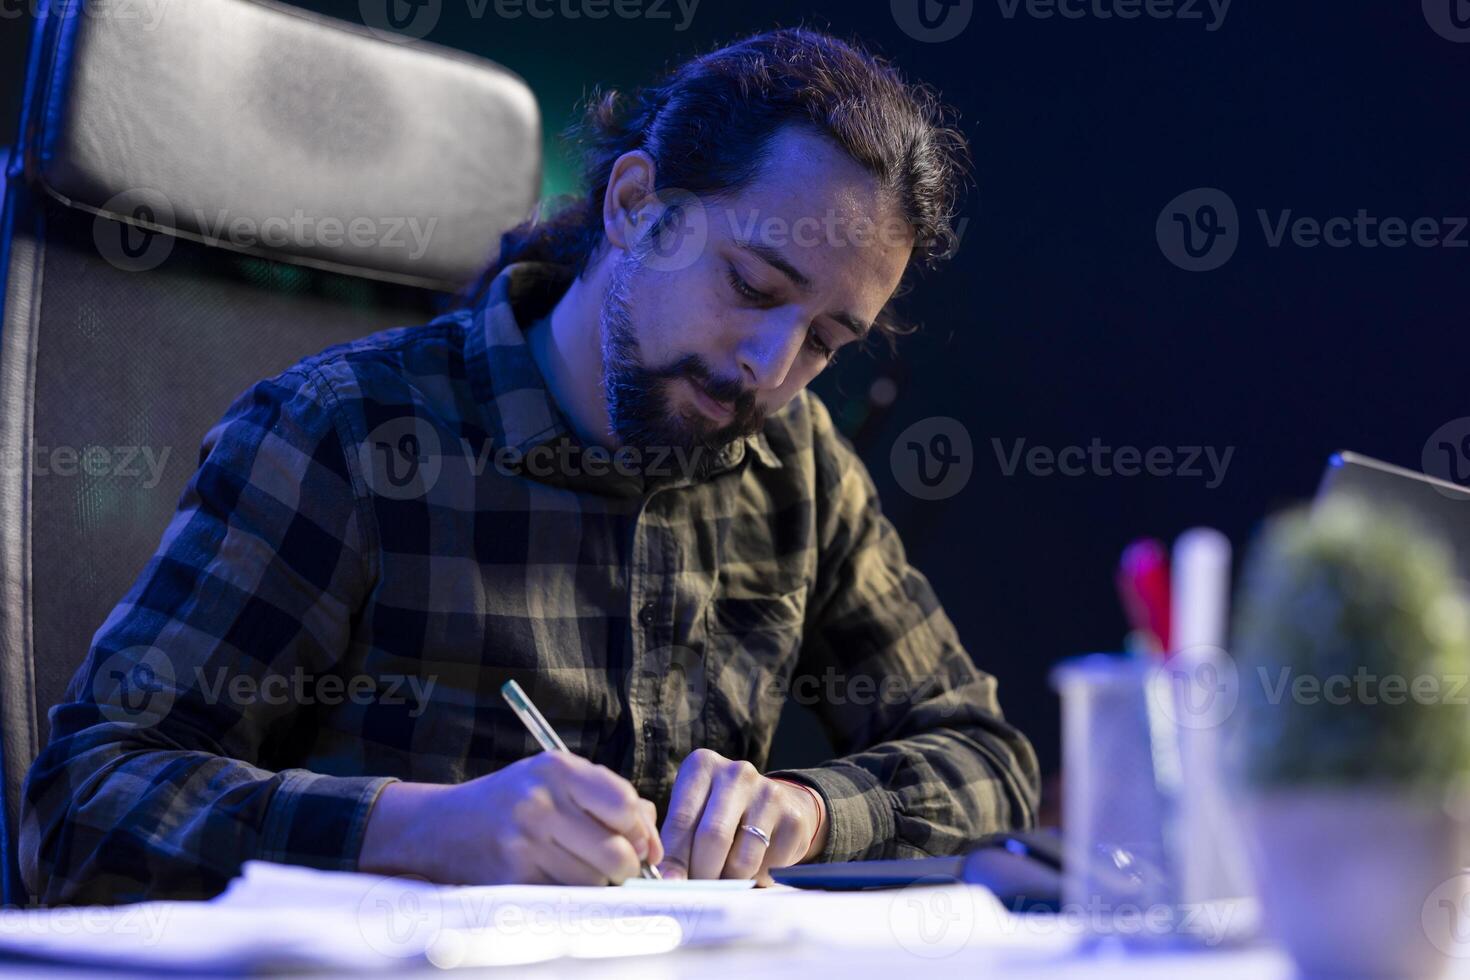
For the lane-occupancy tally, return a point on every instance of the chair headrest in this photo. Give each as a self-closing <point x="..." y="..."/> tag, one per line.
<point x="259" y="127"/>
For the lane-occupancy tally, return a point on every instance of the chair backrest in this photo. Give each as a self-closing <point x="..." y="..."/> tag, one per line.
<point x="195" y="202"/>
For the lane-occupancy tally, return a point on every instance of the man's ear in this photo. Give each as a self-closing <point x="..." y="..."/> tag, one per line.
<point x="629" y="205"/>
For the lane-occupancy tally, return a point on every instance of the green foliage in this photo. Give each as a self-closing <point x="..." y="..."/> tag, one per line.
<point x="1353" y="644"/>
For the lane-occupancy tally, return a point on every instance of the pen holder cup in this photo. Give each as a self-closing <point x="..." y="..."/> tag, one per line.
<point x="1120" y="770"/>
<point x="1147" y="834"/>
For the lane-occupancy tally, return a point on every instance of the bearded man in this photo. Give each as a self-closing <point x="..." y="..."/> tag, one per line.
<point x="602" y="477"/>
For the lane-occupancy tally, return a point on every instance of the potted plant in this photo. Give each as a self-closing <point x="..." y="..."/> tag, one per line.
<point x="1352" y="640"/>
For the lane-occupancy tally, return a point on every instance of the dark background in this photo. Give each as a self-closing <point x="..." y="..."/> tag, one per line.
<point x="1061" y="320"/>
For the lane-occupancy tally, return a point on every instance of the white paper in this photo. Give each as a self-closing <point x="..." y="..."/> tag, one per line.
<point x="277" y="917"/>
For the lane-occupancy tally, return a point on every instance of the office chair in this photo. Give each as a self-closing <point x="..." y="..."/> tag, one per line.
<point x="194" y="203"/>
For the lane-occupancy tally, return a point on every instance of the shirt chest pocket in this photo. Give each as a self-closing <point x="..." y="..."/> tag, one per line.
<point x="752" y="643"/>
<point x="737" y="615"/>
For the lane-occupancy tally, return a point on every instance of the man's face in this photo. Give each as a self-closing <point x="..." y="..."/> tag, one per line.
<point x="700" y="344"/>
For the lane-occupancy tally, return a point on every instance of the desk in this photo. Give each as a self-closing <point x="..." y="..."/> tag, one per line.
<point x="355" y="925"/>
<point x="808" y="960"/>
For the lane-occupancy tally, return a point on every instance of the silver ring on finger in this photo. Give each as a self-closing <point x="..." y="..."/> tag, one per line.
<point x="765" y="838"/>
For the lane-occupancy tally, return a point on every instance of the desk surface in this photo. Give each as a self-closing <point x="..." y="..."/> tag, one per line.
<point x="808" y="960"/>
<point x="355" y="925"/>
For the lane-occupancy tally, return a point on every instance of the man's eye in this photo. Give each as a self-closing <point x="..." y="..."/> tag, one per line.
<point x="815" y="342"/>
<point x="745" y="289"/>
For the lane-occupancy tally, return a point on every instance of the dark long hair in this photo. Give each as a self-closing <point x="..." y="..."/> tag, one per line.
<point x="707" y="125"/>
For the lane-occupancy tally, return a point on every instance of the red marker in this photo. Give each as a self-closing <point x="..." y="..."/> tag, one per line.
<point x="1143" y="586"/>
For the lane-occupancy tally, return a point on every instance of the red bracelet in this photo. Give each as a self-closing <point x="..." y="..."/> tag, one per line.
<point x="820" y="810"/>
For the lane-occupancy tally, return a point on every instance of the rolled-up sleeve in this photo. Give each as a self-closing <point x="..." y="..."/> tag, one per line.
<point x="927" y="761"/>
<point x="155" y="782"/>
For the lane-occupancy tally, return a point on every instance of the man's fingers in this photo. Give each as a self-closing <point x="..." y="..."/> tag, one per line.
<point x="565" y="868"/>
<point x="605" y="850"/>
<point x="607" y="796"/>
<point x="686" y="806"/>
<point x="730" y="794"/>
<point x="749" y="855"/>
<point x="650" y="819"/>
<point x="788" y="847"/>
<point x="599" y="791"/>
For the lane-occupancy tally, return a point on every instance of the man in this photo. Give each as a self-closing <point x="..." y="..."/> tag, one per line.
<point x="603" y="478"/>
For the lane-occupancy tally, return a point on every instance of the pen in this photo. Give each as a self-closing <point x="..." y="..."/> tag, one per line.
<point x="548" y="739"/>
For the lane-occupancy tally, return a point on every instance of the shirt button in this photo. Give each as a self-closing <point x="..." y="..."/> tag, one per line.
<point x="648" y="731"/>
<point x="645" y="613"/>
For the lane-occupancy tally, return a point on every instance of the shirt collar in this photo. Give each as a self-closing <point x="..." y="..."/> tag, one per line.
<point x="519" y="409"/>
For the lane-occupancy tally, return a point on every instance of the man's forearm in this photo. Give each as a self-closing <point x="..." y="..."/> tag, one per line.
<point x="948" y="770"/>
<point x="163" y="821"/>
<point x="929" y="763"/>
<point x="927" y="794"/>
<point x="394" y="841"/>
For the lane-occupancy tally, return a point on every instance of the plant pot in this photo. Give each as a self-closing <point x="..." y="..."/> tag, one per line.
<point x="1358" y="882"/>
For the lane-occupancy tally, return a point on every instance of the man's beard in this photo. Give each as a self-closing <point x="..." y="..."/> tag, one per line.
<point x="641" y="413"/>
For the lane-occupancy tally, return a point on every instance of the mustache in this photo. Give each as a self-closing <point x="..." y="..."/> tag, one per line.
<point x="727" y="390"/>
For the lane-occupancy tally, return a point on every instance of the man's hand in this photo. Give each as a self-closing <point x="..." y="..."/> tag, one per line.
<point x="551" y="818"/>
<point x="713" y="797"/>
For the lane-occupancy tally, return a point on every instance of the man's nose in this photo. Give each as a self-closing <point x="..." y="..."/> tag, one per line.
<point x="766" y="354"/>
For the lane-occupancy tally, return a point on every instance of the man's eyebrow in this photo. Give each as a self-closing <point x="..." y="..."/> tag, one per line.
<point x="776" y="260"/>
<point x="859" y="329"/>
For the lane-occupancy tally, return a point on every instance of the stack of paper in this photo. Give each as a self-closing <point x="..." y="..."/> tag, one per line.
<point x="276" y="917"/>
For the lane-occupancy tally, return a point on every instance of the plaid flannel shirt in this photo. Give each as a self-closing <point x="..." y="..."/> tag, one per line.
<point x="379" y="537"/>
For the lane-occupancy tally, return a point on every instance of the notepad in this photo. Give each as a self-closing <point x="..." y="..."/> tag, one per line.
<point x="693" y="884"/>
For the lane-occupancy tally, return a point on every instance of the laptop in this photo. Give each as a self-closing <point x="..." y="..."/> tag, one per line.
<point x="1440" y="507"/>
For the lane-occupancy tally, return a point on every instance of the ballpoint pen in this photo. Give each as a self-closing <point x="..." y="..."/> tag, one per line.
<point x="549" y="740"/>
